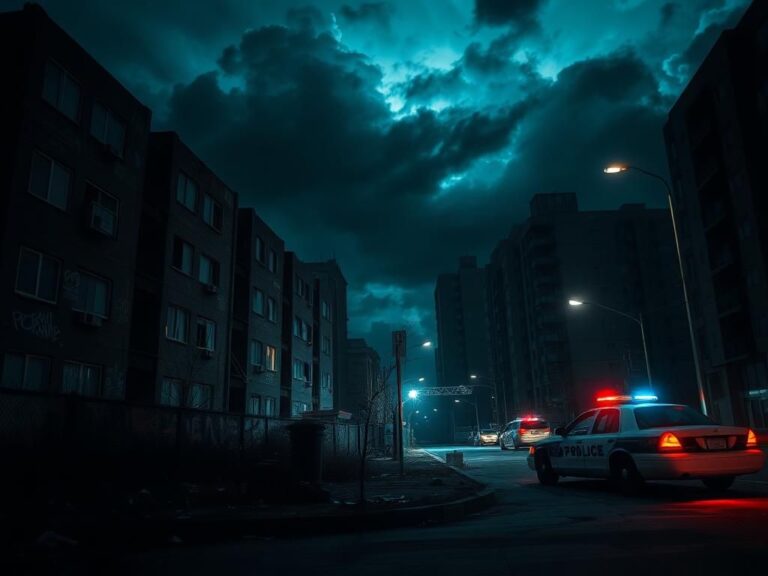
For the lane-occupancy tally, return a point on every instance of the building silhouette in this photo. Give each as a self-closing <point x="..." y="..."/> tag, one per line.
<point x="716" y="146"/>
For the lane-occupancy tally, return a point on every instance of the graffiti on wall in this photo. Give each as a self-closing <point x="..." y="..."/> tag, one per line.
<point x="38" y="324"/>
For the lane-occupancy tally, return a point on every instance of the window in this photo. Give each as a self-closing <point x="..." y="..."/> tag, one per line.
<point x="49" y="180"/>
<point x="326" y="310"/>
<point x="270" y="406"/>
<point x="326" y="345"/>
<point x="61" y="91"/>
<point x="208" y="273"/>
<point x="306" y="332"/>
<point x="183" y="254"/>
<point x="92" y="295"/>
<point x="582" y="424"/>
<point x="257" y="302"/>
<point x="213" y="215"/>
<point x="325" y="381"/>
<point x="171" y="391"/>
<point x="177" y="325"/>
<point x="254" y="404"/>
<point x="259" y="249"/>
<point x="272" y="262"/>
<point x="298" y="370"/>
<point x="302" y="289"/>
<point x="607" y="422"/>
<point x="669" y="416"/>
<point x="25" y="372"/>
<point x="200" y="396"/>
<point x="256" y="353"/>
<point x="186" y="192"/>
<point x="307" y="371"/>
<point x="102" y="211"/>
<point x="299" y="407"/>
<point x="271" y="310"/>
<point x="37" y="275"/>
<point x="108" y="129"/>
<point x="81" y="379"/>
<point x="206" y="334"/>
<point x="271" y="357"/>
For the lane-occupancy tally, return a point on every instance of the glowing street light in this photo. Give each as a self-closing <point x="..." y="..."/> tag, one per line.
<point x="636" y="319"/>
<point x="473" y="376"/>
<point x="413" y="394"/>
<point x="617" y="168"/>
<point x="422" y="379"/>
<point x="427" y="344"/>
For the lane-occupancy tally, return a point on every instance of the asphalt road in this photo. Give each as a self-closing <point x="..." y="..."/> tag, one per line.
<point x="576" y="527"/>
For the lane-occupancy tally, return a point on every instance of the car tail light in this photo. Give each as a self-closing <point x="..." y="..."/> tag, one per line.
<point x="532" y="450"/>
<point x="523" y="430"/>
<point x="751" y="439"/>
<point x="668" y="442"/>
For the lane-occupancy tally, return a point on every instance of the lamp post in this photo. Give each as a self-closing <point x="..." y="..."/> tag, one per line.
<point x="619" y="168"/>
<point x="398" y="341"/>
<point x="477" y="416"/>
<point x="637" y="319"/>
<point x="494" y="402"/>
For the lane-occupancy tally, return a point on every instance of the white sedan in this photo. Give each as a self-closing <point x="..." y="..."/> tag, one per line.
<point x="632" y="442"/>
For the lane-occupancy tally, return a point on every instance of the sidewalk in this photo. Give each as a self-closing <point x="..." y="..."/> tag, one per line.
<point x="430" y="492"/>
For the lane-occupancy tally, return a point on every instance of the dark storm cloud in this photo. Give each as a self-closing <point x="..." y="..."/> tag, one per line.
<point x="668" y="12"/>
<point x="308" y="125"/>
<point x="520" y="13"/>
<point x="378" y="12"/>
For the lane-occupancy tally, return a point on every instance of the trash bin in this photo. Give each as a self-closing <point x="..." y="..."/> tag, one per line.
<point x="307" y="450"/>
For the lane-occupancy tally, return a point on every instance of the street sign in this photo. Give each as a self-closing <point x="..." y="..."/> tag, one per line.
<point x="398" y="343"/>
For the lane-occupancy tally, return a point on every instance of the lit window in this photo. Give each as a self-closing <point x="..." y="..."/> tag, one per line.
<point x="177" y="324"/>
<point x="92" y="295"/>
<point x="108" y="129"/>
<point x="271" y="357"/>
<point x="61" y="91"/>
<point x="37" y="275"/>
<point x="49" y="180"/>
<point x="81" y="379"/>
<point x="186" y="192"/>
<point x="206" y="334"/>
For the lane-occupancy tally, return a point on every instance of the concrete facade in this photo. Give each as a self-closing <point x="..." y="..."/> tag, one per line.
<point x="624" y="259"/>
<point x="716" y="146"/>
<point x="363" y="366"/>
<point x="72" y="153"/>
<point x="181" y="322"/>
<point x="257" y="352"/>
<point x="296" y="374"/>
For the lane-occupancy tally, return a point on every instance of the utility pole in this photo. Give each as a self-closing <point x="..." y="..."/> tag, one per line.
<point x="398" y="345"/>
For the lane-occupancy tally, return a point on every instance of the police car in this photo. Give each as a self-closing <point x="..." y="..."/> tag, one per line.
<point x="632" y="439"/>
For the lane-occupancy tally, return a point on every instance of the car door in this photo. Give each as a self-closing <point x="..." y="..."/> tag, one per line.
<point x="567" y="457"/>
<point x="598" y="445"/>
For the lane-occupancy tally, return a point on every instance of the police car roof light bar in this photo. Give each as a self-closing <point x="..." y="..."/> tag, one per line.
<point x="614" y="398"/>
<point x="646" y="397"/>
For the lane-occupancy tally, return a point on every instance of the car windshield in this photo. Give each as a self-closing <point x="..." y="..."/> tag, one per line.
<point x="668" y="416"/>
<point x="488" y="432"/>
<point x="534" y="424"/>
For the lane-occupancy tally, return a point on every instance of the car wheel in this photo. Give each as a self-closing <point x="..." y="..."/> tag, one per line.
<point x="718" y="483"/>
<point x="516" y="444"/>
<point x="502" y="445"/>
<point x="544" y="471"/>
<point x="626" y="477"/>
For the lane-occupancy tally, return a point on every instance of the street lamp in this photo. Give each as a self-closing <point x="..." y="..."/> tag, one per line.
<point x="617" y="169"/>
<point x="637" y="319"/>
<point x="422" y="379"/>
<point x="413" y="394"/>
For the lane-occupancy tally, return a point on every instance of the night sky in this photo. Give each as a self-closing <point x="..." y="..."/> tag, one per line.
<point x="397" y="136"/>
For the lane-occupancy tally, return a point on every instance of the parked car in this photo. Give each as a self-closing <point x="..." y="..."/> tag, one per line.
<point x="524" y="432"/>
<point x="486" y="437"/>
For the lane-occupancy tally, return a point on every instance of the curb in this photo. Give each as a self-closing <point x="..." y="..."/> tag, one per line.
<point x="227" y="527"/>
<point x="454" y="468"/>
